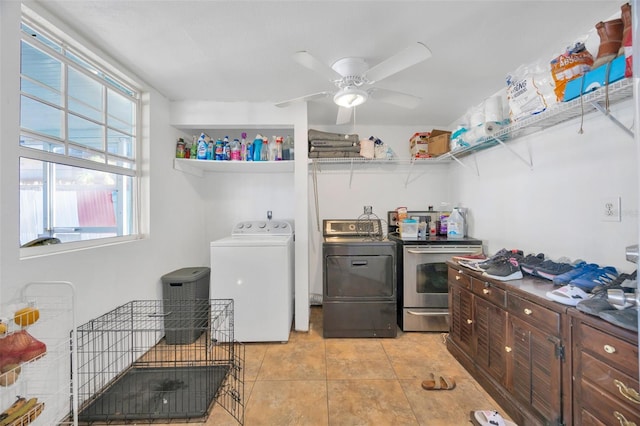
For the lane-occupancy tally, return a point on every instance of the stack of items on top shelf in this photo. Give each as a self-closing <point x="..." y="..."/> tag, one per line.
<point x="535" y="87"/>
<point x="333" y="145"/>
<point x="429" y="144"/>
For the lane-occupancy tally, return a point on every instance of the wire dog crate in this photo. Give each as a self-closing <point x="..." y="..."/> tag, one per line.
<point x="160" y="360"/>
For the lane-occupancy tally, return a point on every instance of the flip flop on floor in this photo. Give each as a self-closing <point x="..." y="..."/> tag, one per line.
<point x="489" y="418"/>
<point x="438" y="383"/>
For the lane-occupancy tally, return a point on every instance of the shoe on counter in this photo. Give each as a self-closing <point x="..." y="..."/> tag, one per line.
<point x="590" y="279"/>
<point x="580" y="269"/>
<point x="548" y="269"/>
<point x="530" y="262"/>
<point x="567" y="295"/>
<point x="474" y="256"/>
<point x="500" y="256"/>
<point x="625" y="318"/>
<point x="505" y="270"/>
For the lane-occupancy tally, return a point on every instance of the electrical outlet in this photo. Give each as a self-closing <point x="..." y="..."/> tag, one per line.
<point x="610" y="209"/>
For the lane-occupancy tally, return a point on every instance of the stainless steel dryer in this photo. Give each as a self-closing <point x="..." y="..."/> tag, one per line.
<point x="359" y="280"/>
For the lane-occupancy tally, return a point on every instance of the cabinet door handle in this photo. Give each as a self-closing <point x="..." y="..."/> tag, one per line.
<point x="459" y="271"/>
<point x="458" y="277"/>
<point x="609" y="349"/>
<point x="469" y="321"/>
<point x="486" y="291"/>
<point x="528" y="311"/>
<point x="507" y="348"/>
<point x="623" y="421"/>
<point x="629" y="393"/>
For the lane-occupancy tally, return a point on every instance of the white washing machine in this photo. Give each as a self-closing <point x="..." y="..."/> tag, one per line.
<point x="254" y="267"/>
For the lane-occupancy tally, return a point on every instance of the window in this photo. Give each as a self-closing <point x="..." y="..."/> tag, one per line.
<point x="78" y="143"/>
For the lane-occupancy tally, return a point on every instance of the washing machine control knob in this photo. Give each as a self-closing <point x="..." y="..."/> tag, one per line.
<point x="241" y="225"/>
<point x="248" y="225"/>
<point x="262" y="225"/>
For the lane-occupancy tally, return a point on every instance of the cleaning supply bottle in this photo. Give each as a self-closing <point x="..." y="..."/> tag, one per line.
<point x="264" y="152"/>
<point x="202" y="148"/>
<point x="219" y="150"/>
<point x="249" y="151"/>
<point x="235" y="150"/>
<point x="257" y="147"/>
<point x="243" y="147"/>
<point x="455" y="225"/>
<point x="279" y="141"/>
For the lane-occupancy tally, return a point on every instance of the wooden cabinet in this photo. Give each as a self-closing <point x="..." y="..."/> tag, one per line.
<point x="478" y="322"/>
<point x="461" y="314"/>
<point x="511" y="344"/>
<point x="535" y="363"/>
<point x="605" y="370"/>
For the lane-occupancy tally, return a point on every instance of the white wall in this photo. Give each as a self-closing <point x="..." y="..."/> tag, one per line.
<point x="555" y="207"/>
<point x="343" y="191"/>
<point x="104" y="277"/>
<point x="229" y="197"/>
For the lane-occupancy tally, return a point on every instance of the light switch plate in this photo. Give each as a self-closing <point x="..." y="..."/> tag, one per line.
<point x="610" y="209"/>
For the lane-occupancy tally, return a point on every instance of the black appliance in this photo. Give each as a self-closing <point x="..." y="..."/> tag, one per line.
<point x="423" y="303"/>
<point x="359" y="280"/>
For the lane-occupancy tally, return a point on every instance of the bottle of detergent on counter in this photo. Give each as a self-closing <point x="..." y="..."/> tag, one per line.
<point x="455" y="225"/>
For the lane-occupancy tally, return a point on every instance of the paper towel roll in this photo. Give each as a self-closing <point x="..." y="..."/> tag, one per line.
<point x="476" y="118"/>
<point x="493" y="109"/>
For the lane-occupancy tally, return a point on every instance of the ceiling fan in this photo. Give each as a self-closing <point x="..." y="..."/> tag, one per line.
<point x="352" y="76"/>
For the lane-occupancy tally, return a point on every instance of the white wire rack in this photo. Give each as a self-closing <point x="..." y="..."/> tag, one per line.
<point x="160" y="360"/>
<point x="46" y="377"/>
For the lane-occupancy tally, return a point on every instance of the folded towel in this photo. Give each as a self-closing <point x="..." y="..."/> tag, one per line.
<point x="333" y="154"/>
<point x="323" y="142"/>
<point x="327" y="136"/>
<point x="334" y="149"/>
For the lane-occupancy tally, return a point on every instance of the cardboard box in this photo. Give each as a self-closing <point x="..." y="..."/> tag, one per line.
<point x="595" y="78"/>
<point x="419" y="146"/>
<point x="438" y="142"/>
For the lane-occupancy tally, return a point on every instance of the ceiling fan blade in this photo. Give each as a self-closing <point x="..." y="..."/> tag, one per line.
<point x="344" y="115"/>
<point x="392" y="97"/>
<point x="307" y="60"/>
<point x="305" y="98"/>
<point x="407" y="57"/>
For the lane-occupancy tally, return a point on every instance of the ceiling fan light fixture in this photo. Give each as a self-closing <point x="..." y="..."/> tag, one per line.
<point x="350" y="97"/>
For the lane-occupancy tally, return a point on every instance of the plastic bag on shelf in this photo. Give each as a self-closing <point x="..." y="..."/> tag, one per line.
<point x="530" y="90"/>
<point x="574" y="62"/>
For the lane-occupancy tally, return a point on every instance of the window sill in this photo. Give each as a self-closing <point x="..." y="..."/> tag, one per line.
<point x="54" y="249"/>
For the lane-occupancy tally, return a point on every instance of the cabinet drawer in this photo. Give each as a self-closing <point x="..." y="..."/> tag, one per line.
<point x="614" y="352"/>
<point x="604" y="408"/>
<point x="534" y="314"/>
<point x="456" y="276"/>
<point x="589" y="420"/>
<point x="615" y="383"/>
<point x="489" y="291"/>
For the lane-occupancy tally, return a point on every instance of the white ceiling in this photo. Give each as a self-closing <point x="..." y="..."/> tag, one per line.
<point x="241" y="50"/>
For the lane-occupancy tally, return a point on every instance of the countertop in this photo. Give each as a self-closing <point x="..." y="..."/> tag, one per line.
<point x="526" y="287"/>
<point x="434" y="240"/>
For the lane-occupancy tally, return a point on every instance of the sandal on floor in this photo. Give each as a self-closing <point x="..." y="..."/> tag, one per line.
<point x="489" y="418"/>
<point x="438" y="383"/>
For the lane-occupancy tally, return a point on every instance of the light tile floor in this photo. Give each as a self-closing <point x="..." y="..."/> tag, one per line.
<point x="315" y="381"/>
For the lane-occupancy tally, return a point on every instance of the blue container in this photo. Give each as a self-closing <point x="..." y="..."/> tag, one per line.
<point x="257" y="149"/>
